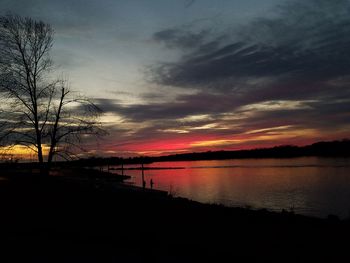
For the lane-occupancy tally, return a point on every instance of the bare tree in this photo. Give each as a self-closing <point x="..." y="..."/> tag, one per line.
<point x="38" y="111"/>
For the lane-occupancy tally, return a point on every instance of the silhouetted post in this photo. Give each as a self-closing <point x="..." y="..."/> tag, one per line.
<point x="143" y="177"/>
<point x="122" y="169"/>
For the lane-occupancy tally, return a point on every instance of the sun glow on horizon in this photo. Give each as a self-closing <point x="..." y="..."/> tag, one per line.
<point x="21" y="152"/>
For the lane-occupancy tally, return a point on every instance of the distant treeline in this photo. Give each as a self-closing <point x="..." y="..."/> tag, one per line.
<point x="321" y="149"/>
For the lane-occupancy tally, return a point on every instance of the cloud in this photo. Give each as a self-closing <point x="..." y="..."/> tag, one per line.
<point x="189" y="3"/>
<point x="225" y="117"/>
<point x="181" y="38"/>
<point x="306" y="41"/>
<point x="65" y="15"/>
<point x="181" y="106"/>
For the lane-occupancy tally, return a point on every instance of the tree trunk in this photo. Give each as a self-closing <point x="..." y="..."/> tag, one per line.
<point x="54" y="130"/>
<point x="43" y="169"/>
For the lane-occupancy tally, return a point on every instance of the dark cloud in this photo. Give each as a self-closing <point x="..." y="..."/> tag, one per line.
<point x="308" y="41"/>
<point x="181" y="107"/>
<point x="189" y="3"/>
<point x="181" y="38"/>
<point x="310" y="114"/>
<point x="289" y="70"/>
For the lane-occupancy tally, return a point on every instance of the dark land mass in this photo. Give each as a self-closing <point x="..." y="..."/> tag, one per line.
<point x="81" y="217"/>
<point x="320" y="149"/>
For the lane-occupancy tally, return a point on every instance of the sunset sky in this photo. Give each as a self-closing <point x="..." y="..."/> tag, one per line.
<point x="175" y="76"/>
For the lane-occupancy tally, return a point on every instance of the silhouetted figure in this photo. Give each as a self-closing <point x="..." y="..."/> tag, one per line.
<point x="151" y="183"/>
<point x="144" y="184"/>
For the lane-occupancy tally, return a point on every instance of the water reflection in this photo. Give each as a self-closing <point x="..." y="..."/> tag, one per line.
<point x="312" y="186"/>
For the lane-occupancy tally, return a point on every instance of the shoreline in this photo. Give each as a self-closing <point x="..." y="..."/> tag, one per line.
<point x="106" y="181"/>
<point x="61" y="220"/>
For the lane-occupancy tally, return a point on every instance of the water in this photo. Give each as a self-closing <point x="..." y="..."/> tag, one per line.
<point x="310" y="186"/>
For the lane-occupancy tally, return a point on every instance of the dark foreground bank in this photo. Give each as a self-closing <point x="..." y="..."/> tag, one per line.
<point x="61" y="220"/>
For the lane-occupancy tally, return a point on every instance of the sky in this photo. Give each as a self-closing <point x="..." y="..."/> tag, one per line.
<point x="198" y="75"/>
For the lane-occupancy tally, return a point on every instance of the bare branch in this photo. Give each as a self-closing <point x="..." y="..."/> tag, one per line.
<point x="40" y="110"/>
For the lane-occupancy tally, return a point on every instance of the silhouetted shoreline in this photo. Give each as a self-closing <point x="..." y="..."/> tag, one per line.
<point x="319" y="149"/>
<point x="57" y="219"/>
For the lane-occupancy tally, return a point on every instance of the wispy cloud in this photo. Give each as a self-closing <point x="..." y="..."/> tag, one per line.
<point x="306" y="42"/>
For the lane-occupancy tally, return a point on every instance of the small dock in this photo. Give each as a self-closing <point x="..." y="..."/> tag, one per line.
<point x="116" y="182"/>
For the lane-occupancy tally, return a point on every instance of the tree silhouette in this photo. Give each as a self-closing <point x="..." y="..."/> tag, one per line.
<point x="37" y="110"/>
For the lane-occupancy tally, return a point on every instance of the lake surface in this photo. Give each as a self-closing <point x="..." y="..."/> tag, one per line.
<point x="310" y="186"/>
